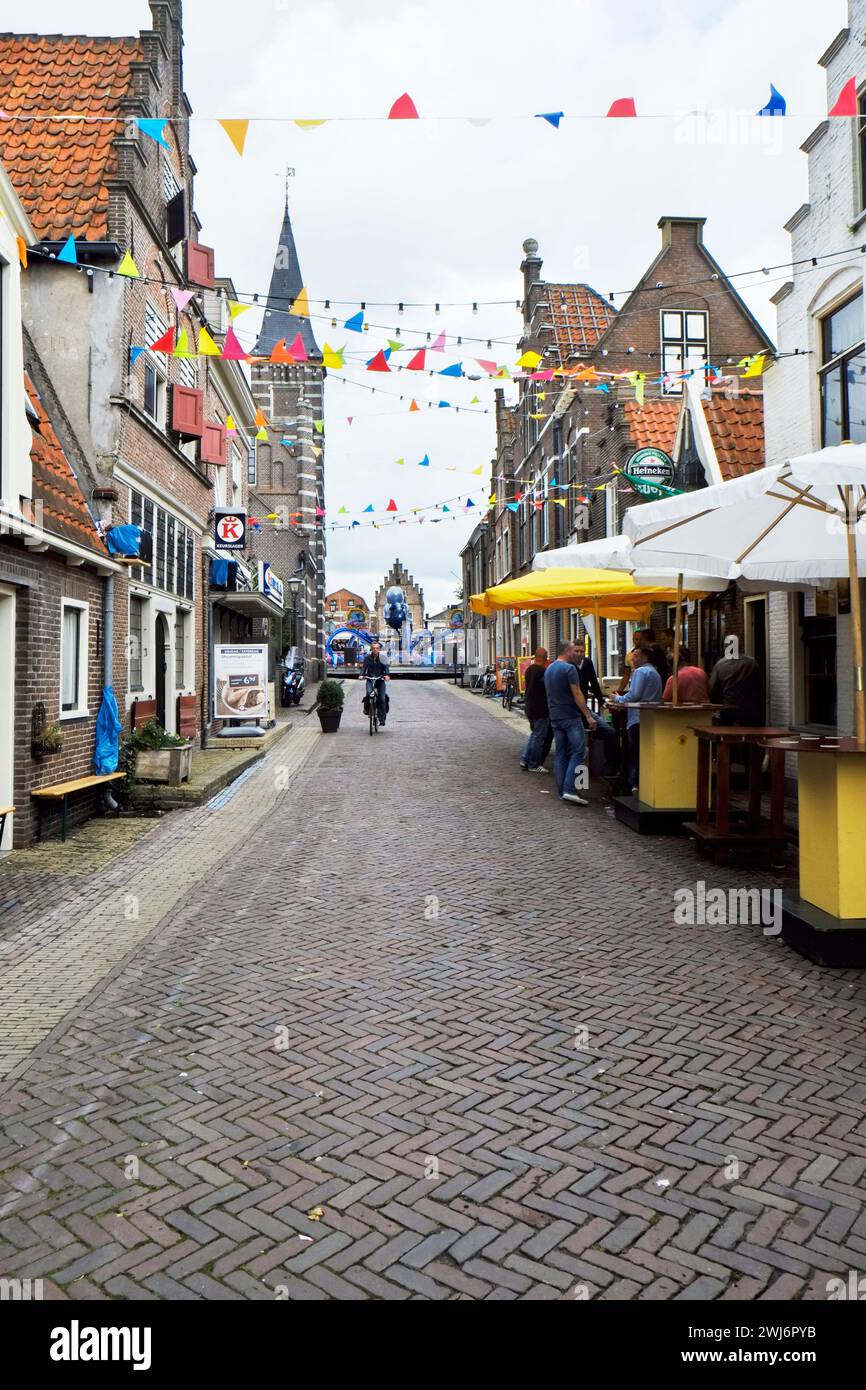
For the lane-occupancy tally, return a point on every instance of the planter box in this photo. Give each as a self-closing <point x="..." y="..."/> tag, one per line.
<point x="171" y="765"/>
<point x="330" y="722"/>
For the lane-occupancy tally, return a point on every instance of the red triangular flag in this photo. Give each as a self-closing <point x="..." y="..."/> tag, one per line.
<point x="379" y="363"/>
<point x="297" y="351"/>
<point x="846" y="102"/>
<point x="489" y="367"/>
<point x="417" y="363"/>
<point x="414" y="406"/>
<point x="392" y="506"/>
<point x="165" y="343"/>
<point x="280" y="353"/>
<point x="624" y="106"/>
<point x="403" y="109"/>
<point x="232" y="350"/>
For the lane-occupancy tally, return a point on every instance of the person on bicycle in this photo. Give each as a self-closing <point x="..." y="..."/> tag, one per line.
<point x="374" y="670"/>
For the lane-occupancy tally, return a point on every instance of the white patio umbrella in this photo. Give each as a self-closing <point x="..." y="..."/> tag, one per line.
<point x="798" y="522"/>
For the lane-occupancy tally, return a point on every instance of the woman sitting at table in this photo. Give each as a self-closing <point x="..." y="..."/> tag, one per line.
<point x="693" y="683"/>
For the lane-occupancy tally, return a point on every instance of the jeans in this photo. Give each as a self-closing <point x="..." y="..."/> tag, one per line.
<point x="537" y="746"/>
<point x="570" y="752"/>
<point x="377" y="686"/>
<point x="633" y="770"/>
<point x="608" y="733"/>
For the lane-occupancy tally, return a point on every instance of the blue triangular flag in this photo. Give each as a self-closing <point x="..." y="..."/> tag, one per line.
<point x="444" y="405"/>
<point x="512" y="506"/>
<point x="371" y="508"/>
<point x="469" y="502"/>
<point x="356" y="523"/>
<point x="603" y="387"/>
<point x="284" y="440"/>
<point x="776" y="106"/>
<point x="553" y="482"/>
<point x="446" y="508"/>
<point x="68" y="252"/>
<point x="552" y="117"/>
<point x="154" y="129"/>
<point x="356" y="322"/>
<point x="456" y="369"/>
<point x="425" y="462"/>
<point x="134" y="354"/>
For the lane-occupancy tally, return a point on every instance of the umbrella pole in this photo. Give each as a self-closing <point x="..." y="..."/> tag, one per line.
<point x="597" y="653"/>
<point x="856" y="618"/>
<point x="675" y="689"/>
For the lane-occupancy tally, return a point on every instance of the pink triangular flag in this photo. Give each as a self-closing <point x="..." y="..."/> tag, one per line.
<point x="182" y="298"/>
<point x="846" y="102"/>
<point x="297" y="349"/>
<point x="320" y="511"/>
<point x="489" y="367"/>
<point x="623" y="106"/>
<point x="232" y="350"/>
<point x="403" y="109"/>
<point x="350" y="418"/>
<point x="439" y="345"/>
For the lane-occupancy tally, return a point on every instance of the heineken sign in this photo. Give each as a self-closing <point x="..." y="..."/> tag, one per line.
<point x="651" y="473"/>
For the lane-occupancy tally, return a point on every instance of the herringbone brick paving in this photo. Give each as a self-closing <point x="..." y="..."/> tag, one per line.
<point x="371" y="1009"/>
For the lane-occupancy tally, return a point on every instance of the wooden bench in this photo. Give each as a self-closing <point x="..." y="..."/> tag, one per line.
<point x="4" y="812"/>
<point x="62" y="791"/>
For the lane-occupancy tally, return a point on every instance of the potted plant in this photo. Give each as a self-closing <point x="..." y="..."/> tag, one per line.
<point x="48" y="739"/>
<point x="153" y="755"/>
<point x="329" y="704"/>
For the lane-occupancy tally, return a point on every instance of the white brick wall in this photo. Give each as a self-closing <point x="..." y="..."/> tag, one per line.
<point x="831" y="221"/>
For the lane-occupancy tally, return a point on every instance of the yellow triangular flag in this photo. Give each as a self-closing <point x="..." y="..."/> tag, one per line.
<point x="478" y="470"/>
<point x="301" y="306"/>
<point x="529" y="359"/>
<point x="308" y="125"/>
<point x="262" y="433"/>
<point x="331" y="357"/>
<point x="237" y="133"/>
<point x="754" y="365"/>
<point x="182" y="346"/>
<point x="206" y="345"/>
<point x="231" y="427"/>
<point x="235" y="308"/>
<point x="128" y="267"/>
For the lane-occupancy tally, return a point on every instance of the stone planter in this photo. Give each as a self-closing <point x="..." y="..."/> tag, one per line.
<point x="330" y="721"/>
<point x="171" y="765"/>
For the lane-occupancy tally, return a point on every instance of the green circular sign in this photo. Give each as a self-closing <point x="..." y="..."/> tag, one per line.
<point x="650" y="472"/>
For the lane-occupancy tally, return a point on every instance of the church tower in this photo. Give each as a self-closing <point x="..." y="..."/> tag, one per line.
<point x="290" y="466"/>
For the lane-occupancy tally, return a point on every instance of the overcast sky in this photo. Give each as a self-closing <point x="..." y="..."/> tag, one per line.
<point x="433" y="211"/>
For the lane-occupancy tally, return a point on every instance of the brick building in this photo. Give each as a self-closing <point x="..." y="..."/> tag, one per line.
<point x="290" y="467"/>
<point x="682" y="314"/>
<point x="398" y="576"/>
<point x="152" y="425"/>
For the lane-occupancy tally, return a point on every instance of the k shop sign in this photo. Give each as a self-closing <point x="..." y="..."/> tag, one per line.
<point x="230" y="529"/>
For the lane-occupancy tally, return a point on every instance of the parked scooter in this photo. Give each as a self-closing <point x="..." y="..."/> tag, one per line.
<point x="292" y="683"/>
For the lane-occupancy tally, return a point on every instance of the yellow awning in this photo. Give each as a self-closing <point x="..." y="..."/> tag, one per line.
<point x="611" y="593"/>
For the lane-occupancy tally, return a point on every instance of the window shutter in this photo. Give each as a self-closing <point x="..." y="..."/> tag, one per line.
<point x="187" y="411"/>
<point x="213" y="443"/>
<point x="200" y="265"/>
<point x="175" y="219"/>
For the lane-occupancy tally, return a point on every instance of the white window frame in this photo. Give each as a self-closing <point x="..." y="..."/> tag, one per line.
<point x="81" y="709"/>
<point x="155" y="325"/>
<point x="137" y="692"/>
<point x="184" y="617"/>
<point x="611" y="508"/>
<point x="684" y="352"/>
<point x="237" y="477"/>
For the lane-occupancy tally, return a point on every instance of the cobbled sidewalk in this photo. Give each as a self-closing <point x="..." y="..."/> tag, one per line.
<point x="387" y="1020"/>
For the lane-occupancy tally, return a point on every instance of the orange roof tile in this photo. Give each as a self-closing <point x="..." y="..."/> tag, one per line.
<point x="579" y="316"/>
<point x="55" y="486"/>
<point x="59" y="168"/>
<point x="737" y="428"/>
<point x="654" y="425"/>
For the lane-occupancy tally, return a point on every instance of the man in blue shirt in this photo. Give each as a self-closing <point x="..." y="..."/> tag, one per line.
<point x="645" y="686"/>
<point x="565" y="704"/>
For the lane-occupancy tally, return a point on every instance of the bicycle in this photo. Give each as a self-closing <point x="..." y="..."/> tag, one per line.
<point x="508" y="688"/>
<point x="372" y="699"/>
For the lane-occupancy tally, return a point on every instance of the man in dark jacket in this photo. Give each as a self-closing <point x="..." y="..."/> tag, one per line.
<point x="736" y="683"/>
<point x="540" y="740"/>
<point x="374" y="670"/>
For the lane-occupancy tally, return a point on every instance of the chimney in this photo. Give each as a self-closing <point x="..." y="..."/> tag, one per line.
<point x="531" y="267"/>
<point x="680" y="230"/>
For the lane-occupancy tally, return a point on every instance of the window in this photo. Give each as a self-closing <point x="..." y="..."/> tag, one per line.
<point x="175" y="210"/>
<point x="187" y="370"/>
<point x="154" y="370"/>
<point x="685" y="344"/>
<point x="544" y="512"/>
<point x="170" y="544"/>
<point x="521" y="536"/>
<point x="173" y="547"/>
<point x="861" y="150"/>
<point x="236" y="474"/>
<point x="506" y="558"/>
<point x="179" y="648"/>
<point x="136" y="631"/>
<point x="190" y="560"/>
<point x="611" y="509"/>
<point x="73" y="658"/>
<point x="843" y="375"/>
<point x="251" y="464"/>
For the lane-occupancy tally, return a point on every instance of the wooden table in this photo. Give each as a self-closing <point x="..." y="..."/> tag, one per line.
<point x="668" y="767"/>
<point x="713" y="829"/>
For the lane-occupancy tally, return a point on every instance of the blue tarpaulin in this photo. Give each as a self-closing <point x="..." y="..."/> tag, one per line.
<point x="108" y="727"/>
<point x="124" y="540"/>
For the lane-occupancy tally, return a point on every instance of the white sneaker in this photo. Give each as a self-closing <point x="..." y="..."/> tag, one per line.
<point x="545" y="770"/>
<point x="572" y="796"/>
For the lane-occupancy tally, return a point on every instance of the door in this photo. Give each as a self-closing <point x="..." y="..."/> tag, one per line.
<point x="7" y="708"/>
<point x="162" y="651"/>
<point x="756" y="636"/>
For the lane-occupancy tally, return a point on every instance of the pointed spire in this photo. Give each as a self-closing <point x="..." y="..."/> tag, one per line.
<point x="287" y="283"/>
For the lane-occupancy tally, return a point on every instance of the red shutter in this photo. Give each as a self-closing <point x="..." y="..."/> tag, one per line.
<point x="200" y="264"/>
<point x="187" y="411"/>
<point x="213" y="443"/>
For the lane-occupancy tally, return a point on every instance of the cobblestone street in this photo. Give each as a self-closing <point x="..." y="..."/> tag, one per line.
<point x="256" y="1057"/>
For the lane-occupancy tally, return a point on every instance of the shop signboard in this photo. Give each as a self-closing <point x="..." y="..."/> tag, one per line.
<point x="241" y="681"/>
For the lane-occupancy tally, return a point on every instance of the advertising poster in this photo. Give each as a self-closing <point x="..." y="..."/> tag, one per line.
<point x="241" y="682"/>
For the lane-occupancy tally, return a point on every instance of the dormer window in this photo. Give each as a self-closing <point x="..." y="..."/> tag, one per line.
<point x="685" y="344"/>
<point x="175" y="205"/>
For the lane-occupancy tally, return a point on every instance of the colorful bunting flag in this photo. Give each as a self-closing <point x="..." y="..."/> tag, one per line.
<point x="623" y="106"/>
<point x="456" y="369"/>
<point x="394" y="345"/>
<point x="68" y="253"/>
<point x="165" y="343"/>
<point x="262" y="433"/>
<point x="231" y="427"/>
<point x="403" y="109"/>
<point x="128" y="267"/>
<point x="379" y="363"/>
<point x="444" y="405"/>
<point x="512" y="506"/>
<point x="206" y="345"/>
<point x="22" y="251"/>
<point x="754" y="365"/>
<point x="261" y="417"/>
<point x="297" y="351"/>
<point x="332" y="357"/>
<point x="417" y="363"/>
<point x="425" y="462"/>
<point x="237" y="133"/>
<point x="356" y="322"/>
<point x="181" y="298"/>
<point x="552" y="117"/>
<point x="439" y="345"/>
<point x="846" y="102"/>
<point x="301" y="306"/>
<point x="489" y="367"/>
<point x="371" y="508"/>
<point x="529" y="359"/>
<point x="318" y="426"/>
<point x="182" y="349"/>
<point x="236" y="308"/>
<point x="309" y="125"/>
<point x="153" y="129"/>
<point x="400" y="461"/>
<point x="392" y="506"/>
<point x="414" y="406"/>
<point x="776" y="106"/>
<point x="344" y="511"/>
<point x="320" y="511"/>
<point x="281" y="353"/>
<point x="232" y="350"/>
<point x="134" y="354"/>
<point x="475" y="401"/>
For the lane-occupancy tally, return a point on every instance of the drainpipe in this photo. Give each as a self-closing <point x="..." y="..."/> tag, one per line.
<point x="108" y="800"/>
<point x="208" y="713"/>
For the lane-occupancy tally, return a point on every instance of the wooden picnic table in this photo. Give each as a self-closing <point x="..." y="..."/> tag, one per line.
<point x="716" y="828"/>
